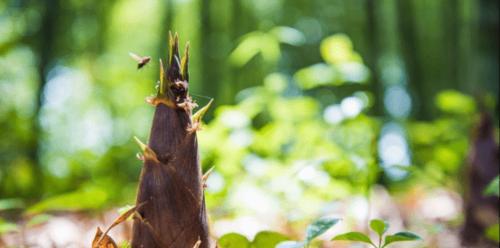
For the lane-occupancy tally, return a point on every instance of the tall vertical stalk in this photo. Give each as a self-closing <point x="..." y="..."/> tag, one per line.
<point x="171" y="205"/>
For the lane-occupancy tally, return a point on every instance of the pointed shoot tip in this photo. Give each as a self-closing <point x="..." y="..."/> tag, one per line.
<point x="207" y="173"/>
<point x="200" y="113"/>
<point x="142" y="146"/>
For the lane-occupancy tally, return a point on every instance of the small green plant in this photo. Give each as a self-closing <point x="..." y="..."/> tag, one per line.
<point x="314" y="230"/>
<point x="380" y="227"/>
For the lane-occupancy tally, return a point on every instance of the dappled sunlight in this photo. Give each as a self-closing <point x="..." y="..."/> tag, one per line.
<point x="330" y="123"/>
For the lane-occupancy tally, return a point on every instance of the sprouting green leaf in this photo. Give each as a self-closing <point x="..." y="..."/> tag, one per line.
<point x="493" y="188"/>
<point x="233" y="240"/>
<point x="379" y="226"/>
<point x="318" y="227"/>
<point x="493" y="233"/>
<point x="354" y="236"/>
<point x="400" y="236"/>
<point x="290" y="244"/>
<point x="268" y="239"/>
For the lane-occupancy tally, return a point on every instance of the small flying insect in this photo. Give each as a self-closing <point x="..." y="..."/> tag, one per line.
<point x="141" y="61"/>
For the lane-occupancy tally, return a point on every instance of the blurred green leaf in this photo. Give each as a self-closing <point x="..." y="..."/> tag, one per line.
<point x="125" y="244"/>
<point x="289" y="35"/>
<point x="337" y="49"/>
<point x="451" y="101"/>
<point x="493" y="187"/>
<point x="84" y="199"/>
<point x="233" y="240"/>
<point x="354" y="236"/>
<point x="317" y="75"/>
<point x="318" y="227"/>
<point x="399" y="237"/>
<point x="379" y="226"/>
<point x="493" y="233"/>
<point x="268" y="239"/>
<point x="6" y="226"/>
<point x="254" y="43"/>
<point x="38" y="219"/>
<point x="12" y="203"/>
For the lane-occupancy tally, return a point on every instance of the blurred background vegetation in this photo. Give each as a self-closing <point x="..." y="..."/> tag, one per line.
<point x="320" y="106"/>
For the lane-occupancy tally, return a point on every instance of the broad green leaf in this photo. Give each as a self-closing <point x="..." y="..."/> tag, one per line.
<point x="493" y="233"/>
<point x="233" y="240"/>
<point x="268" y="239"/>
<point x="400" y="236"/>
<point x="290" y="244"/>
<point x="318" y="227"/>
<point x="354" y="236"/>
<point x="493" y="188"/>
<point x="379" y="226"/>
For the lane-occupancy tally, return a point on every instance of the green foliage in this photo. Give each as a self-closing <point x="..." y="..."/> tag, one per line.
<point x="267" y="44"/>
<point x="338" y="49"/>
<point x="313" y="230"/>
<point x="268" y="239"/>
<point x="493" y="233"/>
<point x="6" y="226"/>
<point x="233" y="240"/>
<point x="344" y="65"/>
<point x="318" y="227"/>
<point x="454" y="102"/>
<point x="125" y="244"/>
<point x="399" y="237"/>
<point x="12" y="203"/>
<point x="88" y="198"/>
<point x="274" y="138"/>
<point x="354" y="236"/>
<point x="255" y="149"/>
<point x="264" y="239"/>
<point x="380" y="227"/>
<point x="493" y="188"/>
